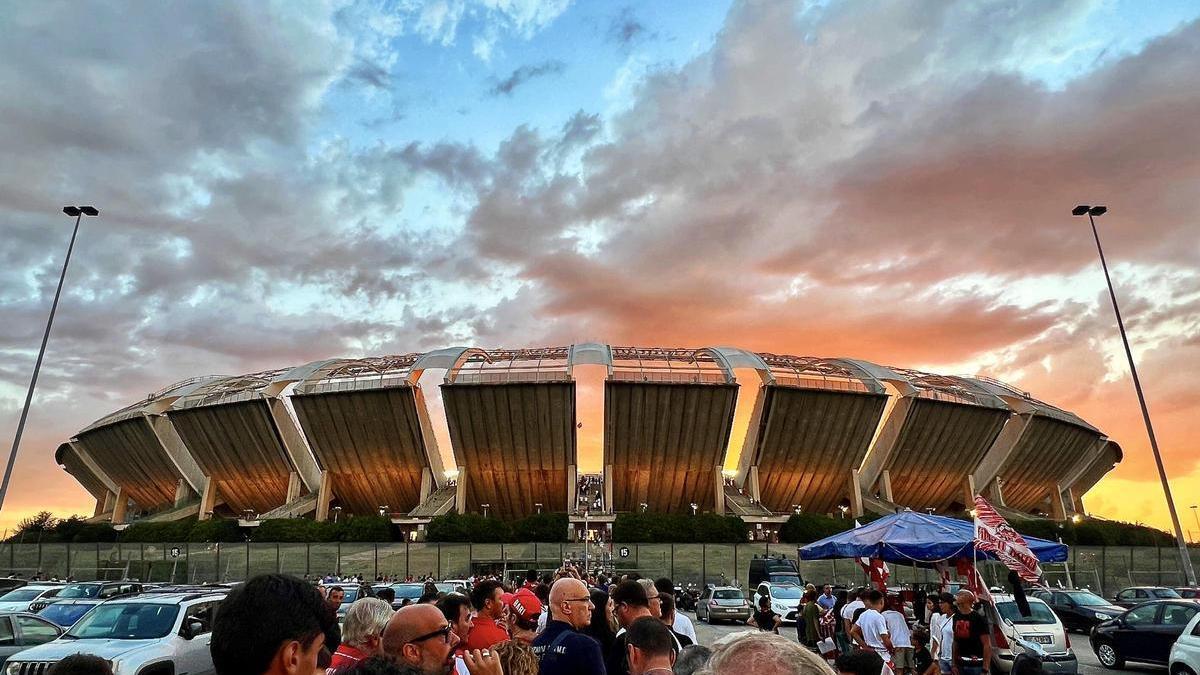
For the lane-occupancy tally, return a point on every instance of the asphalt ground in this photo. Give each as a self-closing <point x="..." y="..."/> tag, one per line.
<point x="1088" y="664"/>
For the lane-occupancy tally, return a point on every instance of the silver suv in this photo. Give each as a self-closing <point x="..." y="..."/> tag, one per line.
<point x="149" y="634"/>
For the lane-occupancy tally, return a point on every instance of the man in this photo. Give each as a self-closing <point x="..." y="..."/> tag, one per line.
<point x="456" y="607"/>
<point x="898" y="630"/>
<point x="682" y="624"/>
<point x="420" y="636"/>
<point x="972" y="653"/>
<point x="630" y="603"/>
<point x="334" y="597"/>
<point x="753" y="652"/>
<point x="387" y="594"/>
<point x="850" y="607"/>
<point x="668" y="619"/>
<point x="271" y="625"/>
<point x="826" y="600"/>
<point x="871" y="629"/>
<point x="531" y="579"/>
<point x="563" y="650"/>
<point x="362" y="632"/>
<point x="651" y="649"/>
<point x="489" y="607"/>
<point x="653" y="598"/>
<point x="521" y="616"/>
<point x="862" y="662"/>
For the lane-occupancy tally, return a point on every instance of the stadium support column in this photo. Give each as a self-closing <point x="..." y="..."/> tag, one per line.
<point x="120" y="504"/>
<point x="608" y="488"/>
<point x="752" y="483"/>
<point x="105" y="504"/>
<point x="294" y="443"/>
<point x="719" y="484"/>
<point x="1002" y="448"/>
<point x="183" y="492"/>
<point x="885" y="486"/>
<point x="969" y="491"/>
<point x="426" y="484"/>
<point x="1058" y="510"/>
<point x="996" y="493"/>
<point x="293" y="488"/>
<point x="856" y="495"/>
<point x="176" y="450"/>
<point x="208" y="498"/>
<point x="324" y="497"/>
<point x="887" y="436"/>
<point x="572" y="489"/>
<point x="460" y="491"/>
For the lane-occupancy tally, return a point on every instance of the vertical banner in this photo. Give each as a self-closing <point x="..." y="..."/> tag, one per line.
<point x="994" y="535"/>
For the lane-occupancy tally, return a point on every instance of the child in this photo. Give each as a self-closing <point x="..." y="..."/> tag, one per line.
<point x="765" y="618"/>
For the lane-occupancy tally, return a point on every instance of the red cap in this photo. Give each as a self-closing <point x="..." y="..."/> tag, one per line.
<point x="525" y="605"/>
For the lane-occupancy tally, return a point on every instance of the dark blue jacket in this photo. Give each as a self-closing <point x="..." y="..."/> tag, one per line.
<point x="574" y="654"/>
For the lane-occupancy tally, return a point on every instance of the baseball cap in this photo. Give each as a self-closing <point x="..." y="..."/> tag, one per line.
<point x="525" y="605"/>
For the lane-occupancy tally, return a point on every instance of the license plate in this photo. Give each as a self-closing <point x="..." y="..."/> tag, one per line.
<point x="1042" y="639"/>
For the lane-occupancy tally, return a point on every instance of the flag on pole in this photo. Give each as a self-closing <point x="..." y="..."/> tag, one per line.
<point x="994" y="535"/>
<point x="877" y="570"/>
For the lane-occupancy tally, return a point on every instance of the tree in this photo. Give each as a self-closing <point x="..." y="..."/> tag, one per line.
<point x="43" y="521"/>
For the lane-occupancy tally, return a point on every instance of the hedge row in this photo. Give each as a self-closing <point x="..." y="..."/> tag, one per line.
<point x="670" y="528"/>
<point x="74" y="530"/>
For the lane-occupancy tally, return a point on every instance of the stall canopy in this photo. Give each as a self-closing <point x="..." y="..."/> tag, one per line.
<point x="909" y="537"/>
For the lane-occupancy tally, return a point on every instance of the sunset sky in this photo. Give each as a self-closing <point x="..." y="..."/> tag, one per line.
<point x="891" y="181"/>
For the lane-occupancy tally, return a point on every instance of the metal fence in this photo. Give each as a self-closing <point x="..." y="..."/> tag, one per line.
<point x="1103" y="569"/>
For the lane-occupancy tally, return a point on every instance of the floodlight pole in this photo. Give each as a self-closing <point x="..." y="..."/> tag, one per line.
<point x="79" y="212"/>
<point x="1185" y="558"/>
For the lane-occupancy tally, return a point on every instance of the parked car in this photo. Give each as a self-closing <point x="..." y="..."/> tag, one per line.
<point x="1078" y="610"/>
<point x="152" y="634"/>
<point x="785" y="599"/>
<point x="1185" y="654"/>
<point x="9" y="583"/>
<point x="18" y="600"/>
<point x="1189" y="592"/>
<point x="1145" y="633"/>
<point x="454" y="586"/>
<point x="723" y="603"/>
<point x="21" y="630"/>
<point x="1042" y="627"/>
<point x="75" y="600"/>
<point x="1136" y="595"/>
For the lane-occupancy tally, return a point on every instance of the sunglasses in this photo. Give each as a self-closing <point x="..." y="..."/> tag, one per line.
<point x="444" y="632"/>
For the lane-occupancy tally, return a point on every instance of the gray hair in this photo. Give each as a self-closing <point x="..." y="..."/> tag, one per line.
<point x="366" y="617"/>
<point x="763" y="652"/>
<point x="691" y="659"/>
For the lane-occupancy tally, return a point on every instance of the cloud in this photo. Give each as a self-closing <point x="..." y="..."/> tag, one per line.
<point x="625" y="28"/>
<point x="524" y="74"/>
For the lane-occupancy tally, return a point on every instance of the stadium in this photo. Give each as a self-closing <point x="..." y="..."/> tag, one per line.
<point x="508" y="433"/>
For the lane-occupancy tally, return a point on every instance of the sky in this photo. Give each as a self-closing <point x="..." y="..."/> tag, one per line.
<point x="282" y="182"/>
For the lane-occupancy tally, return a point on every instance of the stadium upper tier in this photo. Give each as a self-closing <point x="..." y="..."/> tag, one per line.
<point x="368" y="435"/>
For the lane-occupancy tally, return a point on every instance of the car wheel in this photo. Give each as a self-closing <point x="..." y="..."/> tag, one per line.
<point x="1181" y="669"/>
<point x="1109" y="656"/>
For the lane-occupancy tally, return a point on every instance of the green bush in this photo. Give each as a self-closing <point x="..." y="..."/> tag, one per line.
<point x="468" y="528"/>
<point x="215" y="530"/>
<point x="158" y="532"/>
<point x="363" y="528"/>
<point x="543" y="527"/>
<point x="295" y="530"/>
<point x="674" y="528"/>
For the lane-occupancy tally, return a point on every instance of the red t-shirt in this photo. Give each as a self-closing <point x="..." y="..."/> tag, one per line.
<point x="484" y="634"/>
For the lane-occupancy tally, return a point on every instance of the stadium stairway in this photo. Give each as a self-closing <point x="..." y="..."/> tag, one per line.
<point x="297" y="507"/>
<point x="180" y="512"/>
<point x="441" y="501"/>
<point x="741" y="504"/>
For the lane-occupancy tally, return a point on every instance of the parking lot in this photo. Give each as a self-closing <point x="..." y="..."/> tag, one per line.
<point x="1088" y="665"/>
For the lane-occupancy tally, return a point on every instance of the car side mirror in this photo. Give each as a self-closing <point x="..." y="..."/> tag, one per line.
<point x="191" y="629"/>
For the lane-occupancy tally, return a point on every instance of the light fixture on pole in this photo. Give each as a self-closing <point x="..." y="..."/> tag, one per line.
<point x="1194" y="506"/>
<point x="383" y="509"/>
<point x="843" y="508"/>
<point x="796" y="508"/>
<point x="337" y="511"/>
<point x="538" y="505"/>
<point x="76" y="212"/>
<point x="485" y="509"/>
<point x="694" y="506"/>
<point x="644" y="506"/>
<point x="1185" y="558"/>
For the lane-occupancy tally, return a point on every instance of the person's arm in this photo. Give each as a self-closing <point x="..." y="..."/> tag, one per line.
<point x="887" y="640"/>
<point x="856" y="634"/>
<point x="751" y="621"/>
<point x="778" y="620"/>
<point x="953" y="655"/>
<point x="987" y="649"/>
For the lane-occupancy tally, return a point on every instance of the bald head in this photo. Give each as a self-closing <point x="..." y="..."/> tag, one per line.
<point x="408" y="623"/>
<point x="571" y="602"/>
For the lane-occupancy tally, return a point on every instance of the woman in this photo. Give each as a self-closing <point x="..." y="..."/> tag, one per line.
<point x="941" y="634"/>
<point x="765" y="619"/>
<point x="808" y="625"/>
<point x="843" y="642"/>
<point x="362" y="633"/>
<point x="602" y="627"/>
<point x="516" y="658"/>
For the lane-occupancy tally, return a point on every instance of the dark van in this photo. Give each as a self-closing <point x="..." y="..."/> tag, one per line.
<point x="774" y="570"/>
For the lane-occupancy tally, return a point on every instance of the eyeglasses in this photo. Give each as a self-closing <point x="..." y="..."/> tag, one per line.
<point x="444" y="632"/>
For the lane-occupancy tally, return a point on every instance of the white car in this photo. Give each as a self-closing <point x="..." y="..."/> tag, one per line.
<point x="785" y="599"/>
<point x="19" y="599"/>
<point x="1042" y="627"/>
<point x="1185" y="653"/>
<point x="149" y="634"/>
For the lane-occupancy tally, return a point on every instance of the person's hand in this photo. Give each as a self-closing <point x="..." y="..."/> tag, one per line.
<point x="482" y="662"/>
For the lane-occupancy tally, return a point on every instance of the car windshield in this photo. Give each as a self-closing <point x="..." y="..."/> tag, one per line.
<point x="125" y="621"/>
<point x="64" y="615"/>
<point x="21" y="595"/>
<point x="730" y="594"/>
<point x="1086" y="599"/>
<point x="446" y="587"/>
<point x="787" y="592"/>
<point x="1163" y="593"/>
<point x="80" y="591"/>
<point x="1039" y="613"/>
<point x="351" y="594"/>
<point x="413" y="591"/>
<point x="785" y="579"/>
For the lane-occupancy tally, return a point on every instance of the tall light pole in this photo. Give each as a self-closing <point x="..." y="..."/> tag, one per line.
<point x="77" y="212"/>
<point x="1092" y="212"/>
<point x="1197" y="517"/>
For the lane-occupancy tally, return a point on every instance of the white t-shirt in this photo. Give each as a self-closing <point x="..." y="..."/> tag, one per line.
<point x="898" y="629"/>
<point x="850" y="607"/>
<point x="683" y="626"/>
<point x="874" y="627"/>
<point x="941" y="636"/>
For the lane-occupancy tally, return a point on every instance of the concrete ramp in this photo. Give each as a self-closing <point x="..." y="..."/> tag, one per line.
<point x="740" y="504"/>
<point x="172" y="514"/>
<point x="293" y="509"/>
<point x="436" y="504"/>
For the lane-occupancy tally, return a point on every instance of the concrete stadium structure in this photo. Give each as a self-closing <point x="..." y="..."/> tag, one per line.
<point x="819" y="435"/>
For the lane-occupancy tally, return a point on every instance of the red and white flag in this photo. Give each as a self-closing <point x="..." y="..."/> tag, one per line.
<point x="995" y="535"/>
<point x="877" y="569"/>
